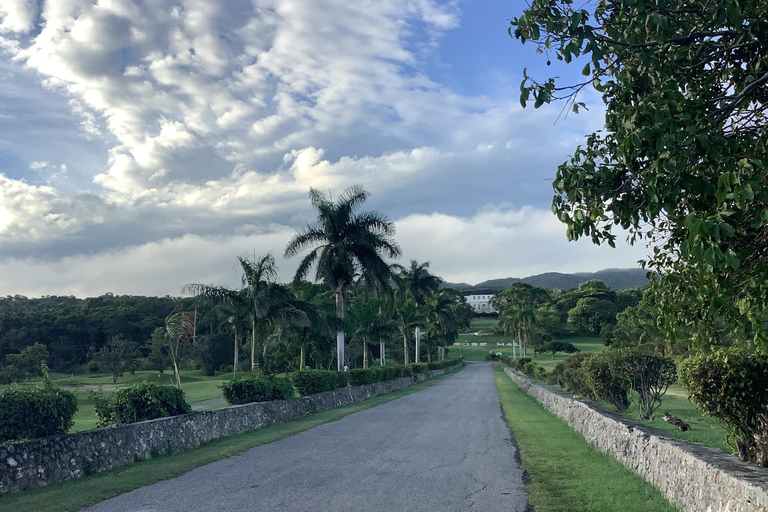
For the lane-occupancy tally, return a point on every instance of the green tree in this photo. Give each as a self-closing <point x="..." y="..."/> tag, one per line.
<point x="559" y="346"/>
<point x="418" y="283"/>
<point x="27" y="363"/>
<point x="682" y="159"/>
<point x="591" y="314"/>
<point x="266" y="302"/>
<point x="117" y="356"/>
<point x="345" y="245"/>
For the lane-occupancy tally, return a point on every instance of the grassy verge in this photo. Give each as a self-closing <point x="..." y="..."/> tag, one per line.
<point x="77" y="494"/>
<point x="567" y="473"/>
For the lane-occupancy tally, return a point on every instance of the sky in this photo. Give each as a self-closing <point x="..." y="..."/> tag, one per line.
<point x="144" y="144"/>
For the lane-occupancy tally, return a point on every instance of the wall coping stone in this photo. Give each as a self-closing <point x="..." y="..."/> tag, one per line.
<point x="692" y="476"/>
<point x="43" y="461"/>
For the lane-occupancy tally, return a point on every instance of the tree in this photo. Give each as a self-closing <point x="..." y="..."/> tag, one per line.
<point x="260" y="297"/>
<point x="417" y="283"/>
<point x="27" y="363"/>
<point x="116" y="356"/>
<point x="682" y="160"/>
<point x="559" y="346"/>
<point x="591" y="314"/>
<point x="178" y="336"/>
<point x="345" y="244"/>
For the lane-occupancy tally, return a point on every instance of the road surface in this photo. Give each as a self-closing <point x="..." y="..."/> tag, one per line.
<point x="443" y="448"/>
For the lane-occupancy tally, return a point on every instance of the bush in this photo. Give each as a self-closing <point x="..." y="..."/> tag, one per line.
<point x="309" y="382"/>
<point x="606" y="383"/>
<point x="556" y="377"/>
<point x="419" y="368"/>
<point x="361" y="377"/>
<point x="342" y="379"/>
<point x="574" y="376"/>
<point x="257" y="388"/>
<point x="520" y="363"/>
<point x="29" y="412"/>
<point x="405" y="371"/>
<point x="648" y="375"/>
<point x="146" y="401"/>
<point x="732" y="386"/>
<point x="529" y="369"/>
<point x="492" y="356"/>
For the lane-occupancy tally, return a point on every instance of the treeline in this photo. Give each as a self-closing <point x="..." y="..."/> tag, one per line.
<point x="537" y="317"/>
<point x="117" y="334"/>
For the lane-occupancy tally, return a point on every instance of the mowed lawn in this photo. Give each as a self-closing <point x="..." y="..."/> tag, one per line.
<point x="196" y="386"/>
<point x="567" y="474"/>
<point x="704" y="429"/>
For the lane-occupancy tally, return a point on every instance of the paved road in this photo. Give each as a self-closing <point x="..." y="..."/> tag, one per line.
<point x="443" y="448"/>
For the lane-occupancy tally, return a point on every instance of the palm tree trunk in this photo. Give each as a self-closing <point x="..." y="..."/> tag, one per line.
<point x="382" y="359"/>
<point x="302" y="358"/>
<point x="365" y="355"/>
<point x="340" y="333"/>
<point x="405" y="348"/>
<point x="253" y="345"/>
<point x="417" y="358"/>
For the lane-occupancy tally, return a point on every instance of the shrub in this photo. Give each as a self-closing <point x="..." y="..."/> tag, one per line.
<point x="520" y="363"/>
<point x="732" y="386"/>
<point x="29" y="412"/>
<point x="529" y="368"/>
<point x="492" y="356"/>
<point x="599" y="373"/>
<point x="146" y="401"/>
<point x="361" y="377"/>
<point x="257" y="388"/>
<point x="556" y="377"/>
<point x="405" y="371"/>
<point x="573" y="374"/>
<point x="648" y="375"/>
<point x="419" y="368"/>
<point x="309" y="382"/>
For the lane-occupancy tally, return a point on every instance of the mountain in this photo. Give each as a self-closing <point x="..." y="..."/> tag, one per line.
<point x="614" y="278"/>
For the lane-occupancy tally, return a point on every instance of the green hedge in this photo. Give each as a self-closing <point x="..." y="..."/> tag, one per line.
<point x="147" y="401"/>
<point x="309" y="382"/>
<point x="28" y="412"/>
<point x="256" y="388"/>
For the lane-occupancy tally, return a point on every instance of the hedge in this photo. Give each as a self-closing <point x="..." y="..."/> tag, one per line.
<point x="256" y="388"/>
<point x="309" y="382"/>
<point x="29" y="412"/>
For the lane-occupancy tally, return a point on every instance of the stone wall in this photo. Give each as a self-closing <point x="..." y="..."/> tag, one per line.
<point x="694" y="477"/>
<point x="54" y="459"/>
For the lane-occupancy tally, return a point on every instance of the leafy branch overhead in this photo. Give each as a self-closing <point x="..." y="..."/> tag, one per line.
<point x="681" y="163"/>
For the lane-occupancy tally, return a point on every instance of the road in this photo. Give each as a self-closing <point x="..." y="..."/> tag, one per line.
<point x="443" y="448"/>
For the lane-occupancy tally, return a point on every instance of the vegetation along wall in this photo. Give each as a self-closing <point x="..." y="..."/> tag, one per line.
<point x="692" y="476"/>
<point x="54" y="459"/>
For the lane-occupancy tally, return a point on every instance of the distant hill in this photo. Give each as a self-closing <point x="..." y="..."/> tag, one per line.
<point x="614" y="278"/>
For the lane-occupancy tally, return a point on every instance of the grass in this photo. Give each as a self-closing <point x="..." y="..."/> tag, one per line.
<point x="196" y="386"/>
<point x="704" y="429"/>
<point x="87" y="491"/>
<point x="566" y="473"/>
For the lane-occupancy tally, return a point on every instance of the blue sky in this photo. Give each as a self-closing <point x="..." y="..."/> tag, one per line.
<point x="144" y="144"/>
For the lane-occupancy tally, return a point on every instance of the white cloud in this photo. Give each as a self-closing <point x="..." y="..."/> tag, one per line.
<point x="17" y="15"/>
<point x="504" y="241"/>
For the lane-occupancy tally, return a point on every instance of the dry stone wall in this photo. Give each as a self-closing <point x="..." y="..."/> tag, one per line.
<point x="54" y="459"/>
<point x="694" y="477"/>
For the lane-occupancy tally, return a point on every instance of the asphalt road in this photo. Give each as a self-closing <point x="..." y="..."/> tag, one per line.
<point x="443" y="448"/>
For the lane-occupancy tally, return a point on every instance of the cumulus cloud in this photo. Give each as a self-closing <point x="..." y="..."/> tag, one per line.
<point x="498" y="241"/>
<point x="158" y="129"/>
<point x="504" y="241"/>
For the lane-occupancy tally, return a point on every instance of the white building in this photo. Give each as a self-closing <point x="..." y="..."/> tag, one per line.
<point x="480" y="301"/>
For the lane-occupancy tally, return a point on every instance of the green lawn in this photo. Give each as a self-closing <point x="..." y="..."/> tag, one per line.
<point x="77" y="494"/>
<point x="567" y="473"/>
<point x="196" y="386"/>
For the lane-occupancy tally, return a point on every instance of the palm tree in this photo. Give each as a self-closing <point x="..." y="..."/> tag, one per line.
<point x="345" y="244"/>
<point x="264" y="300"/>
<point x="418" y="284"/>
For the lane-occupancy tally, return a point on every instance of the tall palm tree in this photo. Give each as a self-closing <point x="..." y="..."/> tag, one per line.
<point x="264" y="300"/>
<point x="418" y="284"/>
<point x="345" y="244"/>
